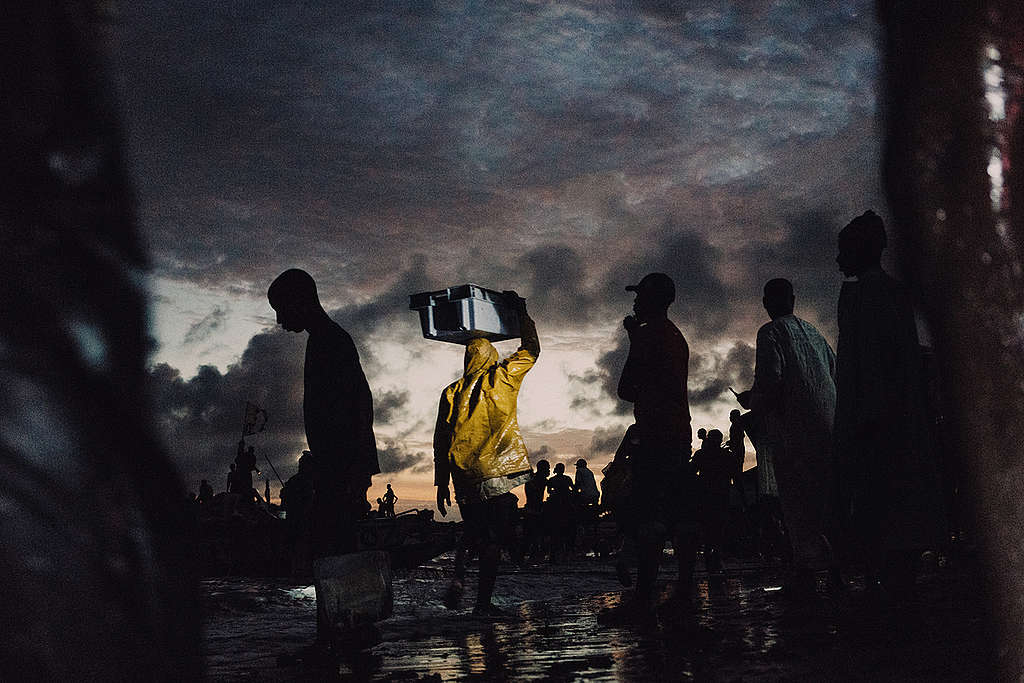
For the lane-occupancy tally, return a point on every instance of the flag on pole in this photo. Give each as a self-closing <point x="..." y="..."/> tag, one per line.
<point x="255" y="419"/>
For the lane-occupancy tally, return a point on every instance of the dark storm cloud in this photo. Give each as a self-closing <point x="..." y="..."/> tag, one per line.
<point x="201" y="418"/>
<point x="700" y="308"/>
<point x="208" y="325"/>
<point x="738" y="365"/>
<point x="609" y="367"/>
<point x="805" y="256"/>
<point x="711" y="375"/>
<point x="606" y="440"/>
<point x="816" y="282"/>
<point x="538" y="454"/>
<point x="387" y="405"/>
<point x="692" y="262"/>
<point x="708" y="392"/>
<point x="557" y="289"/>
<point x="395" y="457"/>
<point x="389" y="306"/>
<point x="265" y="135"/>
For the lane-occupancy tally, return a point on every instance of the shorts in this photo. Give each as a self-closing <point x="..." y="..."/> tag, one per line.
<point x="664" y="499"/>
<point x="491" y="521"/>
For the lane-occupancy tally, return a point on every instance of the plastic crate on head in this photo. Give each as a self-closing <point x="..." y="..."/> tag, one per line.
<point x="458" y="314"/>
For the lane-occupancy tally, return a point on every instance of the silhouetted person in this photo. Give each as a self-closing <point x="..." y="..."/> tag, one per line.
<point x="584" y="485"/>
<point x="479" y="448"/>
<point x="558" y="512"/>
<point x="98" y="572"/>
<point x="205" y="492"/>
<point x="701" y="435"/>
<point x="794" y="388"/>
<point x="887" y="474"/>
<point x="714" y="466"/>
<point x="233" y="496"/>
<point x="772" y="541"/>
<point x="245" y="465"/>
<point x="337" y="409"/>
<point x="389" y="500"/>
<point x="736" y="439"/>
<point x="559" y="487"/>
<point x="739" y="451"/>
<point x="536" y="486"/>
<point x="297" y="502"/>
<point x="533" y="525"/>
<point x="618" y="496"/>
<point x="654" y="381"/>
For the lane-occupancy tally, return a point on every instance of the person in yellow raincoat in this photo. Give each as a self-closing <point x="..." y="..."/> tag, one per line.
<point x="478" y="446"/>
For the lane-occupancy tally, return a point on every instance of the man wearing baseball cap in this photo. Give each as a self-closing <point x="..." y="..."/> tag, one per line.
<point x="654" y="381"/>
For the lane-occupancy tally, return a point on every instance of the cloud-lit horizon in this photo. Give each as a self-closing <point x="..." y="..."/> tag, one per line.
<point x="562" y="150"/>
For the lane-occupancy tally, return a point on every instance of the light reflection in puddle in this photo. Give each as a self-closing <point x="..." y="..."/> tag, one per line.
<point x="738" y="630"/>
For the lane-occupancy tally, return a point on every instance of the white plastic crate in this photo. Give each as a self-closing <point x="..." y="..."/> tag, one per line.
<point x="458" y="314"/>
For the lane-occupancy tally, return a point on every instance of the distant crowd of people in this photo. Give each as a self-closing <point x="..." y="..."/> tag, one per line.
<point x="842" y="441"/>
<point x="549" y="526"/>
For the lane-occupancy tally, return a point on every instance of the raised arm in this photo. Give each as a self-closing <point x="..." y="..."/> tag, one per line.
<point x="522" y="360"/>
<point x="527" y="328"/>
<point x="629" y="380"/>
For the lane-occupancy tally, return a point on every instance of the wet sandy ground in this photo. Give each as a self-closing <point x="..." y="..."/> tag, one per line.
<point x="743" y="630"/>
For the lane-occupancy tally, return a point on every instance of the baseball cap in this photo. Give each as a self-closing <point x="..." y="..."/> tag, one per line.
<point x="657" y="285"/>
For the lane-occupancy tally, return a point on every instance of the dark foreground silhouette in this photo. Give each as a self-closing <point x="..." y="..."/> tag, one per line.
<point x="95" y="581"/>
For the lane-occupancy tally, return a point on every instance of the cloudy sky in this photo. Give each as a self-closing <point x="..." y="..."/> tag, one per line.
<point x="561" y="149"/>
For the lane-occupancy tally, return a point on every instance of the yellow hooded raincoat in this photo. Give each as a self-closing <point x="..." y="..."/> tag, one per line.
<point x="477" y="440"/>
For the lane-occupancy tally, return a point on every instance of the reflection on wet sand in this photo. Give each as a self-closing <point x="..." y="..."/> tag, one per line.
<point x="735" y="630"/>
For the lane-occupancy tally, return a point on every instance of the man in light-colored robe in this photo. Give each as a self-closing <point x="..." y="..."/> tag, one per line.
<point x="794" y="388"/>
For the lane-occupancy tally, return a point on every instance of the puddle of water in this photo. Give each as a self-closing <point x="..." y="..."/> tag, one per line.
<point x="744" y="629"/>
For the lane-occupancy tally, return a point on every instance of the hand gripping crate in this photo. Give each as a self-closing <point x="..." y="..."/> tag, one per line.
<point x="458" y="314"/>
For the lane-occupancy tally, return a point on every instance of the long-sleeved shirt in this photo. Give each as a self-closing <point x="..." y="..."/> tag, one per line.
<point x="654" y="381"/>
<point x="337" y="406"/>
<point x="477" y="442"/>
<point x="794" y="376"/>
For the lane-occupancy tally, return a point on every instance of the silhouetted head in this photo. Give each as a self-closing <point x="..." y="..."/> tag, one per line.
<point x="559" y="468"/>
<point x="480" y="355"/>
<point x="734" y="415"/>
<point x="778" y="297"/>
<point x="861" y="244"/>
<point x="714" y="438"/>
<point x="702" y="433"/>
<point x="581" y="463"/>
<point x="654" y="293"/>
<point x="543" y="466"/>
<point x="389" y="487"/>
<point x="293" y="297"/>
